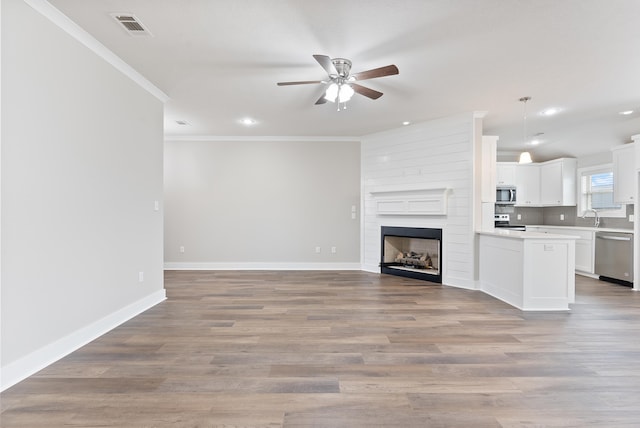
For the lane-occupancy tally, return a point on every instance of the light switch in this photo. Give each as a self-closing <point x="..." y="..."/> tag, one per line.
<point x="561" y="217"/>
<point x="519" y="216"/>
<point x="631" y="218"/>
<point x="156" y="205"/>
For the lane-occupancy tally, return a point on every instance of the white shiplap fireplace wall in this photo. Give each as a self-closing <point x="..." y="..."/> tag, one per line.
<point x="439" y="154"/>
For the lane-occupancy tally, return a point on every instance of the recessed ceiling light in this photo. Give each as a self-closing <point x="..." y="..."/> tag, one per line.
<point x="406" y="122"/>
<point x="536" y="139"/>
<point x="550" y="111"/>
<point x="247" y="121"/>
<point x="626" y="112"/>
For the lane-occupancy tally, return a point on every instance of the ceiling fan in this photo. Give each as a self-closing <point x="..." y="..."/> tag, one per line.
<point x="341" y="84"/>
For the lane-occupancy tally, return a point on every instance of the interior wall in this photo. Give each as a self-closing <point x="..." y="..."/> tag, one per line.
<point x="81" y="172"/>
<point x="435" y="154"/>
<point x="262" y="204"/>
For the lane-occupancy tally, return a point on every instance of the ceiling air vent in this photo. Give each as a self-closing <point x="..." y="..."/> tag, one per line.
<point x="131" y="24"/>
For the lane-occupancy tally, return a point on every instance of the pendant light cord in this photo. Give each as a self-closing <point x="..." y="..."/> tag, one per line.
<point x="524" y="119"/>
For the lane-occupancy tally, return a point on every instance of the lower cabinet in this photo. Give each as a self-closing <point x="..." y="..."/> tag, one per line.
<point x="585" y="253"/>
<point x="585" y="246"/>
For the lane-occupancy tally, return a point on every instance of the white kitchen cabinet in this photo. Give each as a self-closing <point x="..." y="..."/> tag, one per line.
<point x="528" y="185"/>
<point x="530" y="271"/>
<point x="488" y="169"/>
<point x="624" y="174"/>
<point x="635" y="139"/>
<point x="506" y="174"/>
<point x="584" y="255"/>
<point x="558" y="182"/>
<point x="585" y="245"/>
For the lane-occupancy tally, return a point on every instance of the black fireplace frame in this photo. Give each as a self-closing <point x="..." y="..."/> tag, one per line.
<point x="411" y="232"/>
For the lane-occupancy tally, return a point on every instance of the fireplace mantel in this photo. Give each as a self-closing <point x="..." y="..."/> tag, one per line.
<point x="407" y="200"/>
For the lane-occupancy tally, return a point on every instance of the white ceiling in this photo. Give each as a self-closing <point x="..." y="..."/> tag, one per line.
<point x="219" y="61"/>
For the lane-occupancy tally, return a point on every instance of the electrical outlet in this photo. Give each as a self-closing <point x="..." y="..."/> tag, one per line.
<point x="519" y="216"/>
<point x="318" y="250"/>
<point x="561" y="217"/>
<point x="333" y="250"/>
<point x="181" y="250"/>
<point x="631" y="218"/>
<point x="140" y="276"/>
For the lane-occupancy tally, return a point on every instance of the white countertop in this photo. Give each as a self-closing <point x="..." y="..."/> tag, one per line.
<point x="520" y="234"/>
<point x="592" y="229"/>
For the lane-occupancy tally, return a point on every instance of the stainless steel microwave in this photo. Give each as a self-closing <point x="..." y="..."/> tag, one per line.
<point x="506" y="195"/>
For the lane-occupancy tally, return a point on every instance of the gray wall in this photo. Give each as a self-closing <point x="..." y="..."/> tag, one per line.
<point x="81" y="169"/>
<point x="252" y="204"/>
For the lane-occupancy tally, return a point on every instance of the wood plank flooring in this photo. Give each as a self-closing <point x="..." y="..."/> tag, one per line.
<point x="345" y="349"/>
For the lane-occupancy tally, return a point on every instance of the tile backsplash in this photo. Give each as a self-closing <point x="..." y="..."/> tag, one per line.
<point x="551" y="216"/>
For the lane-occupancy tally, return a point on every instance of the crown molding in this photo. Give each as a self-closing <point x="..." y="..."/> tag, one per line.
<point x="168" y="138"/>
<point x="74" y="30"/>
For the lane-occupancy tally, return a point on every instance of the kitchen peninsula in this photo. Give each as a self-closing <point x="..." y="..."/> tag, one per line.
<point x="529" y="270"/>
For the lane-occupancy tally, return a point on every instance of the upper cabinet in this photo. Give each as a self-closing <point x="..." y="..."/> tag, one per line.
<point x="624" y="173"/>
<point x="551" y="183"/>
<point x="488" y="169"/>
<point x="506" y="174"/>
<point x="635" y="139"/>
<point x="528" y="185"/>
<point x="558" y="182"/>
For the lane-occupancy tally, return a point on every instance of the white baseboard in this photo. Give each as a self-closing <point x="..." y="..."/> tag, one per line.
<point x="371" y="268"/>
<point x="19" y="370"/>
<point x="261" y="266"/>
<point x="461" y="283"/>
<point x="587" y="274"/>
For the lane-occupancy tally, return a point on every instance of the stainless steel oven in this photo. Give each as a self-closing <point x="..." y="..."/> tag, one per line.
<point x="504" y="221"/>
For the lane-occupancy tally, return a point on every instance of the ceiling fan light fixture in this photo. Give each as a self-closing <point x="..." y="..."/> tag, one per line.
<point x="332" y="92"/>
<point x="345" y="93"/>
<point x="341" y="83"/>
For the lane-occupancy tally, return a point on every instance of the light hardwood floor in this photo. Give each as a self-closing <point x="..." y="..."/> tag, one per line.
<point x="346" y="349"/>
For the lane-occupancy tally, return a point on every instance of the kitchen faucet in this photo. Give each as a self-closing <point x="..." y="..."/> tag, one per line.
<point x="595" y="214"/>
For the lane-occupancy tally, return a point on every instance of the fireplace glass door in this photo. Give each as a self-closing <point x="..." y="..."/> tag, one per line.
<point x="412" y="252"/>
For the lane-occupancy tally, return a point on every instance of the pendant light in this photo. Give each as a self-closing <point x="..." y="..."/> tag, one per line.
<point x="525" y="157"/>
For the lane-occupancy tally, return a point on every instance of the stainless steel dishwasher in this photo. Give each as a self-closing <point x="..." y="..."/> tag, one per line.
<point x="614" y="257"/>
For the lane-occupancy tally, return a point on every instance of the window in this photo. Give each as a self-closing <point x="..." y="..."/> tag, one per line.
<point x="596" y="192"/>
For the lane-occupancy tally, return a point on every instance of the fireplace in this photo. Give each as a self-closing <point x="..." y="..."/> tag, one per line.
<point x="412" y="252"/>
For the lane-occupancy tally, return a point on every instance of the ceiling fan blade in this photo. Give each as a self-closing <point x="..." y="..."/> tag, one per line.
<point x="376" y="72"/>
<point x="367" y="92"/>
<point x="322" y="99"/>
<point x="301" y="82"/>
<point x="327" y="64"/>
